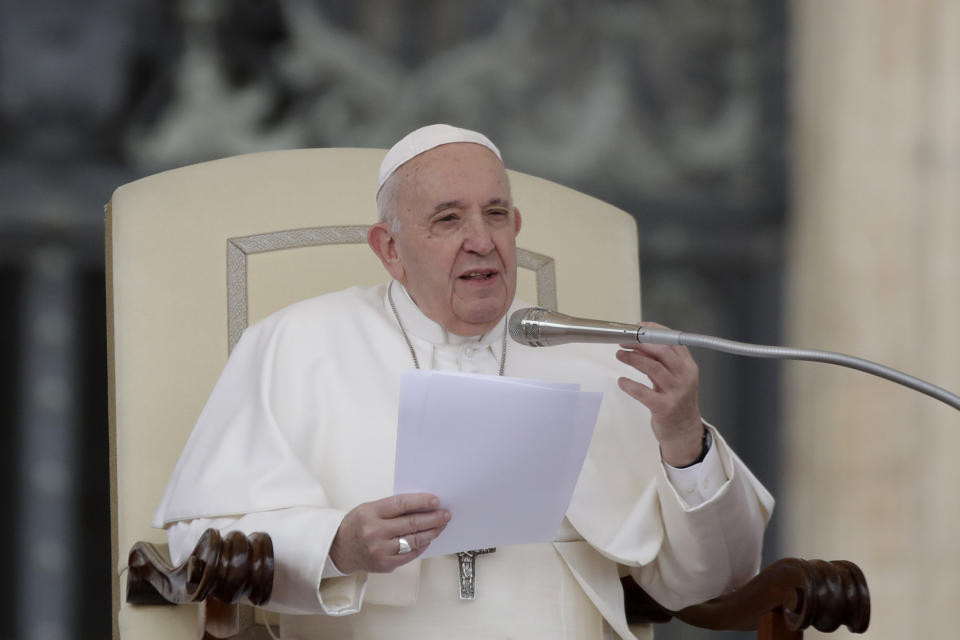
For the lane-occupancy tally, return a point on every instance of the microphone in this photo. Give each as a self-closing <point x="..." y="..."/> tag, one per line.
<point x="539" y="327"/>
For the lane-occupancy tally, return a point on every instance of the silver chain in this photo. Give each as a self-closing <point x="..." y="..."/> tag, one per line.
<point x="413" y="354"/>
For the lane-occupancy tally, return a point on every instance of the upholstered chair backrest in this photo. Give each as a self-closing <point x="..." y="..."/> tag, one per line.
<point x="196" y="254"/>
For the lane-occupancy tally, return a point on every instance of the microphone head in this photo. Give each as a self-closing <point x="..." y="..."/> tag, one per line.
<point x="523" y="326"/>
<point x="539" y="327"/>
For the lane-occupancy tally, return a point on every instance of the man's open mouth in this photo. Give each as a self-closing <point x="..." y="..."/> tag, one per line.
<point x="478" y="275"/>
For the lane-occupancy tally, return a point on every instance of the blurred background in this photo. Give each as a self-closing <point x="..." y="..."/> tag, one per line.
<point x="793" y="169"/>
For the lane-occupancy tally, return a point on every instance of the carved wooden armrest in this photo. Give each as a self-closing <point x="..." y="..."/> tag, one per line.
<point x="224" y="568"/>
<point x="780" y="602"/>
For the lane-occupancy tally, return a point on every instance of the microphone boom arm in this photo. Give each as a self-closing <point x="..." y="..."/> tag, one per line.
<point x="813" y="355"/>
<point x="540" y="327"/>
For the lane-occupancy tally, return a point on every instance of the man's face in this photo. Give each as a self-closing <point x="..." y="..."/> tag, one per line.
<point x="455" y="248"/>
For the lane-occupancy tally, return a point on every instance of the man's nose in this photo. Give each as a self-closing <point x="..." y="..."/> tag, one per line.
<point x="477" y="237"/>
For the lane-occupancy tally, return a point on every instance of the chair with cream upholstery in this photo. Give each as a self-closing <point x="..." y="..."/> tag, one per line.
<point x="196" y="254"/>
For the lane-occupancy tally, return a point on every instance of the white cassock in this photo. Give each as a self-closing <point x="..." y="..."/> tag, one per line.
<point x="301" y="428"/>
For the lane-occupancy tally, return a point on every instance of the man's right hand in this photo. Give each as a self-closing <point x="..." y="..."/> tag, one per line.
<point x="367" y="539"/>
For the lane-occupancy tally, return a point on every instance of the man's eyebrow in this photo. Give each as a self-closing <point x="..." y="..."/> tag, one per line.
<point x="449" y="204"/>
<point x="458" y="204"/>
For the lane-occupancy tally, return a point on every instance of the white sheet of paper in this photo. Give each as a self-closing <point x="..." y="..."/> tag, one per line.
<point x="502" y="454"/>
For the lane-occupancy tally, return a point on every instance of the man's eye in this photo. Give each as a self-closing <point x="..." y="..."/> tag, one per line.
<point x="447" y="218"/>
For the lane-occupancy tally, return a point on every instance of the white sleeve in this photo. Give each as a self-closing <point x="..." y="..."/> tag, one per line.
<point x="712" y="547"/>
<point x="699" y="482"/>
<point x="301" y="542"/>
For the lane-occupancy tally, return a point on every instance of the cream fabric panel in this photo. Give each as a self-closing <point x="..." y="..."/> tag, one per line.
<point x="167" y="256"/>
<point x="593" y="243"/>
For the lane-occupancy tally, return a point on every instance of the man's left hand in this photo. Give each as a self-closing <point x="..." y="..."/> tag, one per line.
<point x="671" y="396"/>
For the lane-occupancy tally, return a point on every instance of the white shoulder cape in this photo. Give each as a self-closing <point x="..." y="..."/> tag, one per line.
<point x="305" y="414"/>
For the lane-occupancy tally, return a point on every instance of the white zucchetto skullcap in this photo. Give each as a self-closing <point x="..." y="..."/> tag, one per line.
<point x="424" y="139"/>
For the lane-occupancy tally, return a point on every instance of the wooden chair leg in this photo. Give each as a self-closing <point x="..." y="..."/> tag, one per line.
<point x="771" y="626"/>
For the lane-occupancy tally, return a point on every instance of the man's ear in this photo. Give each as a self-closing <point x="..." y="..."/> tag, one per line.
<point x="381" y="241"/>
<point x="516" y="222"/>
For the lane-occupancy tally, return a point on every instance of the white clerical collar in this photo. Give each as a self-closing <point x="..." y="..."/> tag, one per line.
<point x="418" y="324"/>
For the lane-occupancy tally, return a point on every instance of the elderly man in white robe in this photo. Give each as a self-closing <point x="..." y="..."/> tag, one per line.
<point x="298" y="440"/>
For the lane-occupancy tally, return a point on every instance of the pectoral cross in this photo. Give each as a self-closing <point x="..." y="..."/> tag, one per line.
<point x="468" y="572"/>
